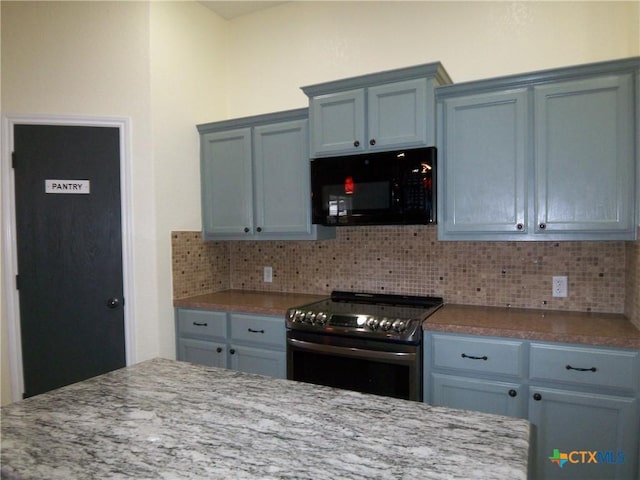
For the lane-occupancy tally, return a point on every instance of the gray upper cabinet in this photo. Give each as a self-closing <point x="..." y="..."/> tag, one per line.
<point x="483" y="155"/>
<point x="227" y="182"/>
<point x="541" y="156"/>
<point x="255" y="179"/>
<point x="584" y="155"/>
<point x="382" y="111"/>
<point x="338" y="122"/>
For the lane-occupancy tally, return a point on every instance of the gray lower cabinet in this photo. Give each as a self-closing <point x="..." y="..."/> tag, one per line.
<point x="475" y="373"/>
<point x="585" y="399"/>
<point x="382" y="111"/>
<point x="257" y="344"/>
<point x="211" y="353"/>
<point x="255" y="179"/>
<point x="542" y="156"/>
<point x="481" y="395"/>
<point x="245" y="342"/>
<point x="582" y="400"/>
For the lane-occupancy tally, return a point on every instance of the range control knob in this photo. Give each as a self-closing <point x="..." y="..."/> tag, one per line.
<point x="385" y="324"/>
<point x="399" y="325"/>
<point x="373" y="323"/>
<point x="311" y="318"/>
<point x="321" y="318"/>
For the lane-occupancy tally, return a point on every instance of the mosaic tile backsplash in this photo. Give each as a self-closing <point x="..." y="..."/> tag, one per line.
<point x="410" y="260"/>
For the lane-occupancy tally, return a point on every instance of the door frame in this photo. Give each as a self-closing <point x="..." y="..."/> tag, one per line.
<point x="9" y="250"/>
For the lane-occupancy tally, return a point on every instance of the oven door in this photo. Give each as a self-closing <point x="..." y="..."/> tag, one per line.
<point x="363" y="365"/>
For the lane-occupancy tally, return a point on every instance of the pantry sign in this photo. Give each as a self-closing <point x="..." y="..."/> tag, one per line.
<point x="82" y="187"/>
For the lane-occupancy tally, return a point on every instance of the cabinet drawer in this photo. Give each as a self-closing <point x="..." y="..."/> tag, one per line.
<point x="483" y="355"/>
<point x="202" y="323"/>
<point x="585" y="366"/>
<point x="258" y="329"/>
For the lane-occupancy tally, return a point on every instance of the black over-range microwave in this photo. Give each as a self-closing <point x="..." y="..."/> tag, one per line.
<point x="382" y="188"/>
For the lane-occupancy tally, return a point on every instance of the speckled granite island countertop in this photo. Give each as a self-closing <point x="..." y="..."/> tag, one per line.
<point x="554" y="326"/>
<point x="266" y="303"/>
<point x="174" y="420"/>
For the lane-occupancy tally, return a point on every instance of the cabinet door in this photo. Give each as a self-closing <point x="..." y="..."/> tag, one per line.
<point x="570" y="421"/>
<point x="585" y="155"/>
<point x="337" y="123"/>
<point x="213" y="354"/>
<point x="501" y="398"/>
<point x="283" y="197"/>
<point x="397" y="115"/>
<point x="482" y="165"/>
<point x="258" y="360"/>
<point x="226" y="176"/>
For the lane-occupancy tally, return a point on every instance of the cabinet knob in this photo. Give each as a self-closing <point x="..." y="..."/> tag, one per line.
<point x="219" y="349"/>
<point x="246" y="229"/>
<point x="537" y="397"/>
<point x="259" y="229"/>
<point x="372" y="141"/>
<point x="519" y="226"/>
<point x="513" y="393"/>
<point x="542" y="226"/>
<point x="356" y="143"/>
<point x="232" y="351"/>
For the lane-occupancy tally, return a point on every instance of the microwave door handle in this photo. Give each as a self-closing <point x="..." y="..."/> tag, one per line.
<point x="398" y="357"/>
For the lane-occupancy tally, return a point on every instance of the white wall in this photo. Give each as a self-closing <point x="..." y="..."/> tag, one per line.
<point x="171" y="65"/>
<point x="161" y="65"/>
<point x="277" y="50"/>
<point x="68" y="58"/>
<point x="188" y="86"/>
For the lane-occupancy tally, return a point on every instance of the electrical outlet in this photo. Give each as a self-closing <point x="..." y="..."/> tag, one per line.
<point x="559" y="286"/>
<point x="267" y="275"/>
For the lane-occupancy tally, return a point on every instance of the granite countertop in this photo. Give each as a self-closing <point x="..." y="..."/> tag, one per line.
<point x="168" y="419"/>
<point x="266" y="303"/>
<point x="603" y="329"/>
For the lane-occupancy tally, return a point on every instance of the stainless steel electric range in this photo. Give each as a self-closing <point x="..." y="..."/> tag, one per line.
<point x="370" y="343"/>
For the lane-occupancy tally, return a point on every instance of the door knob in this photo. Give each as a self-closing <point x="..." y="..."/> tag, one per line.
<point x="113" y="303"/>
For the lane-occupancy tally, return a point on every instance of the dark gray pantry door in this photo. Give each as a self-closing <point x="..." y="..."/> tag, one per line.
<point x="69" y="247"/>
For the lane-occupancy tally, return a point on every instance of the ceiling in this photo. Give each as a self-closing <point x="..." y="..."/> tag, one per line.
<point x="233" y="9"/>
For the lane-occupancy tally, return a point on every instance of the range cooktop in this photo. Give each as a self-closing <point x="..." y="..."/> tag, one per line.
<point x="378" y="316"/>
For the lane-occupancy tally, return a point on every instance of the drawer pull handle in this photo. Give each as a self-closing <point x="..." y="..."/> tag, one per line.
<point x="513" y="393"/>
<point x="537" y="397"/>
<point x="251" y="330"/>
<point x="592" y="369"/>
<point x="471" y="357"/>
<point x="232" y="351"/>
<point x="219" y="349"/>
<point x="199" y="324"/>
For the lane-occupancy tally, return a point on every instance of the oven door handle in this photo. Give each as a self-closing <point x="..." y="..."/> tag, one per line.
<point x="398" y="357"/>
